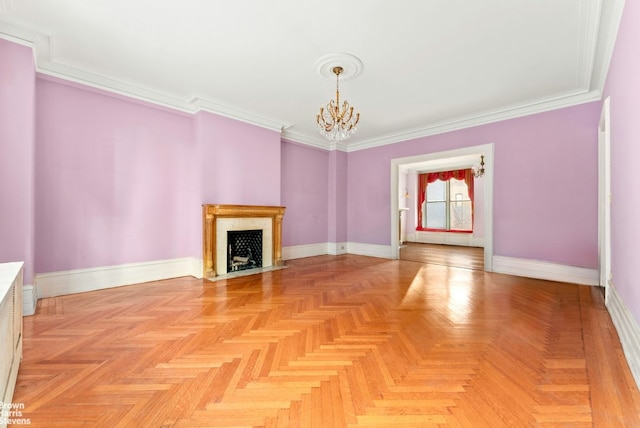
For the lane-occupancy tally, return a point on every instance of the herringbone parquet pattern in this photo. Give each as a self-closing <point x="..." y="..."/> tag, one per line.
<point x="328" y="342"/>
<point x="447" y="255"/>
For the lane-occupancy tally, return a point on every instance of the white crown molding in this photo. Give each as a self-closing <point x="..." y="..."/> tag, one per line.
<point x="15" y="38"/>
<point x="339" y="145"/>
<point x="598" y="43"/>
<point x="40" y="45"/>
<point x="21" y="35"/>
<point x="540" y="106"/>
<point x="317" y="142"/>
<point x="611" y="15"/>
<point x="296" y="137"/>
<point x="597" y="47"/>
<point x="588" y="42"/>
<point x="113" y="86"/>
<point x="202" y="104"/>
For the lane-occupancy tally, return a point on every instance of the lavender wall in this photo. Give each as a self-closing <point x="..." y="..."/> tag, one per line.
<point x="240" y="162"/>
<point x="17" y="128"/>
<point x="305" y="191"/>
<point x="121" y="181"/>
<point x="623" y="86"/>
<point x="545" y="191"/>
<point x="97" y="179"/>
<point x="337" y="202"/>
<point x="114" y="180"/>
<point x="113" y="172"/>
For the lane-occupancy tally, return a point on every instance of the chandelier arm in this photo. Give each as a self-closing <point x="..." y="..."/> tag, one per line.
<point x="331" y="110"/>
<point x="347" y="119"/>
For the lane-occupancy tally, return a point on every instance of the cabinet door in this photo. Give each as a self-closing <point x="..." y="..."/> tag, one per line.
<point x="17" y="315"/>
<point x="6" y="337"/>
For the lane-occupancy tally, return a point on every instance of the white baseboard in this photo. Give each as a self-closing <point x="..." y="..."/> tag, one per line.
<point x="80" y="280"/>
<point x="302" y="251"/>
<point x="372" y="250"/>
<point x="29" y="299"/>
<point x="446" y="238"/>
<point x="545" y="270"/>
<point x="627" y="329"/>
<point x="335" y="249"/>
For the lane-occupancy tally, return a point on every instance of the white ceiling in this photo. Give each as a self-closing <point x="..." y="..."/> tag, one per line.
<point x="428" y="66"/>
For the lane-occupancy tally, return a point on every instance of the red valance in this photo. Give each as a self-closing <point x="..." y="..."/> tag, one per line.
<point x="430" y="177"/>
<point x="459" y="174"/>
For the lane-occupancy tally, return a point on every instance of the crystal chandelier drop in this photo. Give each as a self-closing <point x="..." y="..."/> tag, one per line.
<point x="337" y="123"/>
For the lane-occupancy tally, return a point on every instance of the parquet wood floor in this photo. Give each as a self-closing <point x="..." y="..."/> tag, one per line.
<point x="330" y="341"/>
<point x="447" y="255"/>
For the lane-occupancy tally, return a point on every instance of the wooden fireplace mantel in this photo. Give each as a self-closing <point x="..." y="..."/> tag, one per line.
<point x="210" y="213"/>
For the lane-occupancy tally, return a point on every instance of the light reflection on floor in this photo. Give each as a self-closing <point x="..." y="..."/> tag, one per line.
<point x="453" y="284"/>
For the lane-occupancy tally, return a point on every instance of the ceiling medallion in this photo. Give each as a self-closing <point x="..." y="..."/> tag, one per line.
<point x="338" y="122"/>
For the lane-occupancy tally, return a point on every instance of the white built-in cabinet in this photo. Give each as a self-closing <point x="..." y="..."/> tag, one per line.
<point x="10" y="328"/>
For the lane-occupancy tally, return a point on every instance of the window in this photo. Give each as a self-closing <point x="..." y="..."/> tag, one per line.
<point x="447" y="201"/>
<point x="435" y="206"/>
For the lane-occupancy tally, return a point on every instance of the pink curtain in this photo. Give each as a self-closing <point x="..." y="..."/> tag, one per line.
<point x="422" y="190"/>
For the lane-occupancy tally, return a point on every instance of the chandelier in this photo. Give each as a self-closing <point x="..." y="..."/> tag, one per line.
<point x="336" y="122"/>
<point x="478" y="171"/>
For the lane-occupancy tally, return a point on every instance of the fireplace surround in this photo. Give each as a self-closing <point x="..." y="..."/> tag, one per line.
<point x="217" y="220"/>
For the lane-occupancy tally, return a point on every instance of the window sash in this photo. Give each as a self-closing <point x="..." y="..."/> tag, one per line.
<point x="454" y="213"/>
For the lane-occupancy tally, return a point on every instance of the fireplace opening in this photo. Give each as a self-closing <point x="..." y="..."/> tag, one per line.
<point x="244" y="250"/>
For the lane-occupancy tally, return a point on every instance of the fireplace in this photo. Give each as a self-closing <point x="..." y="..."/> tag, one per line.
<point x="219" y="220"/>
<point x="244" y="250"/>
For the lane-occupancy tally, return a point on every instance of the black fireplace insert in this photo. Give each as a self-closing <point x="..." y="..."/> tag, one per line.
<point x="244" y="250"/>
